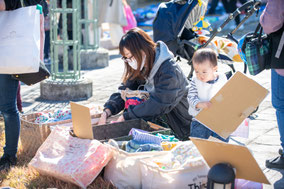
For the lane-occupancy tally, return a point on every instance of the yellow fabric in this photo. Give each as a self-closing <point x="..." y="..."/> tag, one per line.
<point x="167" y="146"/>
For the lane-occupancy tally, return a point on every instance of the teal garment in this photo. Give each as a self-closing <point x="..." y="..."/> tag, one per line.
<point x="167" y="138"/>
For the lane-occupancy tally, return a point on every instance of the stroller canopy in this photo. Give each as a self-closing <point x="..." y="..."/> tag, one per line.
<point x="170" y="20"/>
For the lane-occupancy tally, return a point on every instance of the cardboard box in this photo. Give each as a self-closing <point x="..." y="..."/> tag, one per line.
<point x="238" y="156"/>
<point x="83" y="127"/>
<point x="235" y="101"/>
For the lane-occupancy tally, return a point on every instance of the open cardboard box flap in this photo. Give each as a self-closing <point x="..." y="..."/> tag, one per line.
<point x="83" y="127"/>
<point x="81" y="119"/>
<point x="235" y="101"/>
<point x="238" y="156"/>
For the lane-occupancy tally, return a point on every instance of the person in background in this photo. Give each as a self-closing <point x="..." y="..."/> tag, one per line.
<point x="272" y="20"/>
<point x="47" y="37"/>
<point x="229" y="5"/>
<point x="8" y="100"/>
<point x="203" y="87"/>
<point x="151" y="65"/>
<point x="8" y="106"/>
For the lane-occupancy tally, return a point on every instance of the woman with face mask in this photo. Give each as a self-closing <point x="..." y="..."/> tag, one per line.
<point x="152" y="66"/>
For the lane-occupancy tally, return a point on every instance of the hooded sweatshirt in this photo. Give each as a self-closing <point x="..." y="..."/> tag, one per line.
<point x="168" y="88"/>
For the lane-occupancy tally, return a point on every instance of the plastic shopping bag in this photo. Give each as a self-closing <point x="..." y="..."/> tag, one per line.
<point x="123" y="170"/>
<point x="20" y="41"/>
<point x="242" y="130"/>
<point x="71" y="159"/>
<point x="131" y="21"/>
<point x="183" y="167"/>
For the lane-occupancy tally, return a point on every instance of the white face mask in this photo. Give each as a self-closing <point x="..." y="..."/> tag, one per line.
<point x="133" y="63"/>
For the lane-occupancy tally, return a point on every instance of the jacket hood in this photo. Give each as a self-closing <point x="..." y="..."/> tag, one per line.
<point x="162" y="54"/>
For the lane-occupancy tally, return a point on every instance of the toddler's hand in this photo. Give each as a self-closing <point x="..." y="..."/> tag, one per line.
<point x="203" y="105"/>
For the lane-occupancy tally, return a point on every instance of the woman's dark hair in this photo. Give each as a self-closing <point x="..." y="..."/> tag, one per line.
<point x="204" y="54"/>
<point x="137" y="41"/>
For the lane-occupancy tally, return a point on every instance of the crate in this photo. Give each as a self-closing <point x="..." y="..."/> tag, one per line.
<point x="32" y="134"/>
<point x="119" y="131"/>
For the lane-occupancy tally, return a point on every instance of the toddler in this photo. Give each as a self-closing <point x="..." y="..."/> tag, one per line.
<point x="204" y="86"/>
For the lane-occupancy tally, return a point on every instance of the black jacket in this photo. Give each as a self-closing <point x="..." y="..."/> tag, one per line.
<point x="168" y="88"/>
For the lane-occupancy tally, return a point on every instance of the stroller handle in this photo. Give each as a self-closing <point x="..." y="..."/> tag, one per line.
<point x="254" y="4"/>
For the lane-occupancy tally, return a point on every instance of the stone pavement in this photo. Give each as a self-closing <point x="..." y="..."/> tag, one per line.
<point x="263" y="137"/>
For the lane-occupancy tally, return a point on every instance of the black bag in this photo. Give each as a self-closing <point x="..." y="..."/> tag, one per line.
<point x="33" y="78"/>
<point x="277" y="49"/>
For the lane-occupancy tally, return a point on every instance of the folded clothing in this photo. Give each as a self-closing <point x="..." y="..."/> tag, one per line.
<point x="144" y="137"/>
<point x="167" y="138"/>
<point x="134" y="146"/>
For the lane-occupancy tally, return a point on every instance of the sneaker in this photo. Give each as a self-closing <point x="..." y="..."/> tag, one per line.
<point x="47" y="61"/>
<point x="7" y="162"/>
<point x="280" y="151"/>
<point x="277" y="162"/>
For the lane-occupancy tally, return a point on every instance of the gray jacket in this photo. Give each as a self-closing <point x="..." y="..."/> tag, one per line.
<point x="168" y="87"/>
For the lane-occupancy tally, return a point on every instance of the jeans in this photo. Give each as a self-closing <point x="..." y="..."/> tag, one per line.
<point x="277" y="95"/>
<point x="8" y="108"/>
<point x="230" y="6"/>
<point x="200" y="131"/>
<point x="47" y="44"/>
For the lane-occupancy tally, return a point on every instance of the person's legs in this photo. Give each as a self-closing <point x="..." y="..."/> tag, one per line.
<point x="214" y="4"/>
<point x="243" y="1"/>
<point x="8" y="108"/>
<point x="199" y="130"/>
<point x="230" y="6"/>
<point x="277" y="94"/>
<point x="47" y="44"/>
<point x="19" y="98"/>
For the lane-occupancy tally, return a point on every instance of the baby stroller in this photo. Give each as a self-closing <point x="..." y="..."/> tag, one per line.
<point x="173" y="25"/>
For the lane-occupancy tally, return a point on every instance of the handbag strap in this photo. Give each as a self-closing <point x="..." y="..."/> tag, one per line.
<point x="22" y="3"/>
<point x="280" y="46"/>
<point x="257" y="29"/>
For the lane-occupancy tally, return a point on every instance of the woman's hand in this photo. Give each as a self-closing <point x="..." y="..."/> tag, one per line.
<point x="2" y="5"/>
<point x="203" y="105"/>
<point x="103" y="118"/>
<point x="106" y="113"/>
<point x="120" y="119"/>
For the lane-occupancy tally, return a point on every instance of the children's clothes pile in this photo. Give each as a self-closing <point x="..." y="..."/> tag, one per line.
<point x="143" y="141"/>
<point x="50" y="117"/>
<point x="181" y="156"/>
<point x="63" y="114"/>
<point x="134" y="97"/>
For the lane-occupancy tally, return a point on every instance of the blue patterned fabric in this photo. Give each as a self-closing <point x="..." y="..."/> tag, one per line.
<point x="143" y="137"/>
<point x="134" y="146"/>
